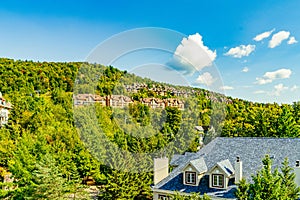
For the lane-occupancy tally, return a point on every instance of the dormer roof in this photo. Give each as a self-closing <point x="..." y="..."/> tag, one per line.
<point x="198" y="164"/>
<point x="225" y="166"/>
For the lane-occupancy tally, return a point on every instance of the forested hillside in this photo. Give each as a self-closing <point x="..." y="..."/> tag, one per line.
<point x="42" y="148"/>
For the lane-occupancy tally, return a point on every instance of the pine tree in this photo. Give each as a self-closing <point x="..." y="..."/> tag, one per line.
<point x="242" y="192"/>
<point x="267" y="184"/>
<point x="270" y="185"/>
<point x="289" y="188"/>
<point x="287" y="125"/>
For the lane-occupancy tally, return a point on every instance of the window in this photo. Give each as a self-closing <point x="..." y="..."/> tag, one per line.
<point x="218" y="180"/>
<point x="163" y="197"/>
<point x="190" y="178"/>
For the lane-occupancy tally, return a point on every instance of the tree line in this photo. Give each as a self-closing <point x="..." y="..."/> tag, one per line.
<point x="49" y="156"/>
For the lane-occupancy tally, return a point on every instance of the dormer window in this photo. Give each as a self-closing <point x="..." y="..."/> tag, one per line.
<point x="194" y="171"/>
<point x="218" y="180"/>
<point x="220" y="174"/>
<point x="190" y="178"/>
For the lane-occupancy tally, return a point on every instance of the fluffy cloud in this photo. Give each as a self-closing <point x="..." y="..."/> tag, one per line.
<point x="278" y="89"/>
<point x="263" y="35"/>
<point x="240" y="51"/>
<point x="192" y="55"/>
<point x="259" y="92"/>
<point x="205" y="78"/>
<point x="277" y="38"/>
<point x="245" y="69"/>
<point x="225" y="87"/>
<point x="292" y="40"/>
<point x="268" y="77"/>
<point x="294" y="88"/>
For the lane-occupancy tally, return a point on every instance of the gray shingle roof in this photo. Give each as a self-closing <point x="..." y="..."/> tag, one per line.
<point x="199" y="165"/>
<point x="226" y="166"/>
<point x="250" y="150"/>
<point x="175" y="161"/>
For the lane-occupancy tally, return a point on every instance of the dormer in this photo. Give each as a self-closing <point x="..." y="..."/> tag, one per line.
<point x="194" y="171"/>
<point x="220" y="174"/>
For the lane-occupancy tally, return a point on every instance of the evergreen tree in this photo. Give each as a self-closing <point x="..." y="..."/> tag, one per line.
<point x="242" y="192"/>
<point x="289" y="188"/>
<point x="267" y="184"/>
<point x="287" y="125"/>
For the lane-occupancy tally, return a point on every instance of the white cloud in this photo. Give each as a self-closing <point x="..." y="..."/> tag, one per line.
<point x="259" y="92"/>
<point x="278" y="89"/>
<point x="205" y="78"/>
<point x="262" y="81"/>
<point x="245" y="69"/>
<point x="277" y="38"/>
<point x="294" y="88"/>
<point x="225" y="87"/>
<point x="192" y="54"/>
<point x="240" y="51"/>
<point x="292" y="40"/>
<point x="268" y="77"/>
<point x="263" y="35"/>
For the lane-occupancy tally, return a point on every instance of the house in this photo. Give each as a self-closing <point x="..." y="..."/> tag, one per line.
<point x="5" y="107"/>
<point x="119" y="101"/>
<point x="86" y="99"/>
<point x="113" y="100"/>
<point x="172" y="102"/>
<point x="159" y="103"/>
<point x="218" y="166"/>
<point x="153" y="102"/>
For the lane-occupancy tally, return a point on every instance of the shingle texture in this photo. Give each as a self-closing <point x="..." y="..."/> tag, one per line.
<point x="250" y="150"/>
<point x="199" y="165"/>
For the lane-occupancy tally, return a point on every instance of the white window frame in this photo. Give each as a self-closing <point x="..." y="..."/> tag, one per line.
<point x="190" y="178"/>
<point x="218" y="180"/>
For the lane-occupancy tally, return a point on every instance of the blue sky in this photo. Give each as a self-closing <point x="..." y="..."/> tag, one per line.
<point x="265" y="70"/>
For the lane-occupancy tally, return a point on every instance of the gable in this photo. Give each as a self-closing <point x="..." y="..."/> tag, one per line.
<point x="189" y="168"/>
<point x="217" y="170"/>
<point x="198" y="165"/>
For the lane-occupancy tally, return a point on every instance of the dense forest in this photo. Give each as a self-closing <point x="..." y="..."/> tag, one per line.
<point x="50" y="146"/>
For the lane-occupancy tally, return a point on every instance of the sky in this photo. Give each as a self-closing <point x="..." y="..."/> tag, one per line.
<point x="245" y="49"/>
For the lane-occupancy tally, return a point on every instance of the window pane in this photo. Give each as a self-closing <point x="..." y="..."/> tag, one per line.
<point x="220" y="180"/>
<point x="215" y="182"/>
<point x="190" y="177"/>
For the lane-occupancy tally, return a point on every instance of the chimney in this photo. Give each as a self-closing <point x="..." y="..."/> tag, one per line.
<point x="238" y="170"/>
<point x="161" y="169"/>
<point x="200" y="130"/>
<point x="201" y="139"/>
<point x="297" y="172"/>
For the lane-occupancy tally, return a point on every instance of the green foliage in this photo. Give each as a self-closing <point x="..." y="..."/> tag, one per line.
<point x="247" y="119"/>
<point x="289" y="188"/>
<point x="193" y="196"/>
<point x="41" y="127"/>
<point x="140" y="113"/>
<point x="242" y="192"/>
<point x="270" y="184"/>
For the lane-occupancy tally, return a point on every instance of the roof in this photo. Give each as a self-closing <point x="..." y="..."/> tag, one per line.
<point x="199" y="128"/>
<point x="250" y="150"/>
<point x="199" y="165"/>
<point x="226" y="166"/>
